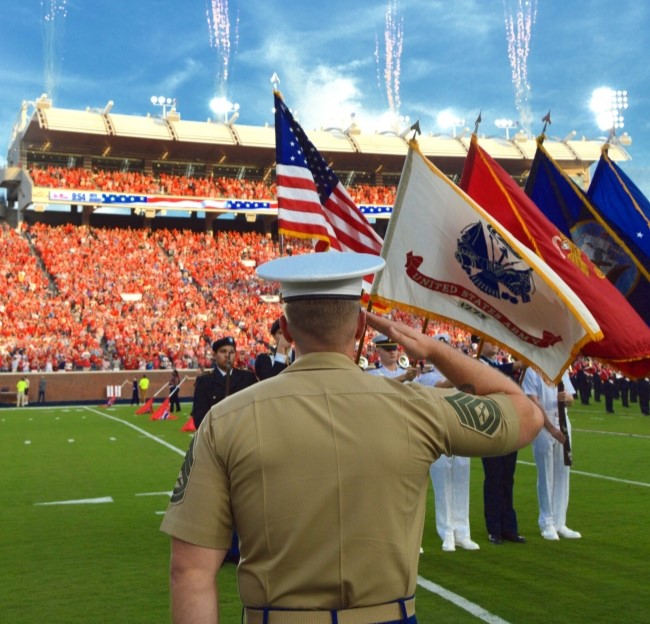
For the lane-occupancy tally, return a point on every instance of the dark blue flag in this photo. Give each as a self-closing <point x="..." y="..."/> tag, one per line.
<point x="623" y="205"/>
<point x="584" y="221"/>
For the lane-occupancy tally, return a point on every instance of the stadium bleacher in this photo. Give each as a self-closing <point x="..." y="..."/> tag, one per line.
<point x="79" y="298"/>
<point x="84" y="288"/>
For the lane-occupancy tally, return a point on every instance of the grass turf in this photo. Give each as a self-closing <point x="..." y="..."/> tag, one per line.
<point x="98" y="561"/>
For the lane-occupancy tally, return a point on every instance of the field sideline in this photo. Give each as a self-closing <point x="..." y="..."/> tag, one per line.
<point x="84" y="489"/>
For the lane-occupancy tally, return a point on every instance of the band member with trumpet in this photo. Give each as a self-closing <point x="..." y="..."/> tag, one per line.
<point x="220" y="382"/>
<point x="390" y="364"/>
<point x="269" y="365"/>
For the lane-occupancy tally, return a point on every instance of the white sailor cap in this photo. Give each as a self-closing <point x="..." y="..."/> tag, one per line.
<point x="324" y="275"/>
<point x="443" y="337"/>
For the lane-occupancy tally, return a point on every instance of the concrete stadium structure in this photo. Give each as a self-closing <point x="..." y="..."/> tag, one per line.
<point x="95" y="138"/>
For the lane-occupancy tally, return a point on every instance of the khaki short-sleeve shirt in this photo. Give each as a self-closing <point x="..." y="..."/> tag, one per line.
<point x="323" y="471"/>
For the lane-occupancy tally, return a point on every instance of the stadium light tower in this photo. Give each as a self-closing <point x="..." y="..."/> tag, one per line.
<point x="445" y="119"/>
<point x="607" y="105"/>
<point x="506" y="124"/>
<point x="163" y="101"/>
<point x="222" y="107"/>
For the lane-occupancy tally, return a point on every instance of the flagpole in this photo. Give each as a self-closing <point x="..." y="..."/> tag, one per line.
<point x="180" y="383"/>
<point x="363" y="335"/>
<point x="160" y="390"/>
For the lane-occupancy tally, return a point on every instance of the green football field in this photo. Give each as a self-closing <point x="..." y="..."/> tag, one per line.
<point x="84" y="489"/>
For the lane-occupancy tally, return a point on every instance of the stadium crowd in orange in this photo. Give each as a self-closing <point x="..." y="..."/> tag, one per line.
<point x="183" y="186"/>
<point x="78" y="298"/>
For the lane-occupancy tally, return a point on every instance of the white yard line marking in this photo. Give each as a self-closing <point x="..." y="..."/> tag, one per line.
<point x="594" y="476"/>
<point x="155" y="494"/>
<point x="146" y="434"/>
<point x="80" y="501"/>
<point x="459" y="601"/>
<point x="613" y="433"/>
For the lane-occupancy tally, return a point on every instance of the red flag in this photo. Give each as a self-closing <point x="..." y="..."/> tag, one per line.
<point x="147" y="408"/>
<point x="627" y="338"/>
<point x="163" y="413"/>
<point x="189" y="425"/>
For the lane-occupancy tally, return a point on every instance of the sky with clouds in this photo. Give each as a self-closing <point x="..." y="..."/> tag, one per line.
<point x="331" y="61"/>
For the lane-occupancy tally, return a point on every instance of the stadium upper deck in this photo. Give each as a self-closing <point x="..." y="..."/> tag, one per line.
<point x="46" y="135"/>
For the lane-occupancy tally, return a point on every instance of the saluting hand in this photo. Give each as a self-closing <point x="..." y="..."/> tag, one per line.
<point x="416" y="344"/>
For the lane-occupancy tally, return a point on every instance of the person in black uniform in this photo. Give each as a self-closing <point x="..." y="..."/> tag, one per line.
<point x="135" y="397"/>
<point x="267" y="366"/>
<point x="609" y="390"/>
<point x="174" y="391"/>
<point x="222" y="381"/>
<point x="597" y="382"/>
<point x="584" y="384"/>
<point x="643" y="387"/>
<point x="634" y="390"/>
<point x="216" y="385"/>
<point x="624" y="390"/>
<point x="499" y="482"/>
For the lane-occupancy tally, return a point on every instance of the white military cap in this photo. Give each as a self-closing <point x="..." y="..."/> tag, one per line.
<point x="444" y="337"/>
<point x="383" y="341"/>
<point x="324" y="275"/>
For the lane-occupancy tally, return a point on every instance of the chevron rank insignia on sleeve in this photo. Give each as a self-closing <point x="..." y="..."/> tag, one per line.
<point x="476" y="412"/>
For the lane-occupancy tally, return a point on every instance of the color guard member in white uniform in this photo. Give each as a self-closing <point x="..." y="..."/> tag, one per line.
<point x="548" y="449"/>
<point x="450" y="480"/>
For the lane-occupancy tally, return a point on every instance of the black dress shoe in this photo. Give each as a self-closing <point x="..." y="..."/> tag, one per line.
<point x="514" y="537"/>
<point x="495" y="539"/>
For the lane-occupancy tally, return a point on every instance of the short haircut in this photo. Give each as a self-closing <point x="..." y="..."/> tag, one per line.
<point x="328" y="322"/>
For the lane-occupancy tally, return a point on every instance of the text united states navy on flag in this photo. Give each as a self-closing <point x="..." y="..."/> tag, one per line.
<point x="312" y="202"/>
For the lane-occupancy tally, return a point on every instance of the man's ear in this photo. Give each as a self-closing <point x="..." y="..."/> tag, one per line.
<point x="361" y="324"/>
<point x="285" y="329"/>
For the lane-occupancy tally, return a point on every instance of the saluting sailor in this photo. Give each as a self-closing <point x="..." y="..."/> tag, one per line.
<point x="389" y="365"/>
<point x="310" y="465"/>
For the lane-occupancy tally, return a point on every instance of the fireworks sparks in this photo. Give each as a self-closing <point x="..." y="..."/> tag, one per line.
<point x="393" y="39"/>
<point x="519" y="18"/>
<point x="54" y="14"/>
<point x="222" y="38"/>
<point x="52" y="9"/>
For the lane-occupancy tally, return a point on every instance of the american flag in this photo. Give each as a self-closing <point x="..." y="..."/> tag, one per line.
<point x="312" y="202"/>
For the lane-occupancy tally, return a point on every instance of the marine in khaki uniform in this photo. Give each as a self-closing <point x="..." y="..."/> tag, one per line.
<point x="323" y="469"/>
